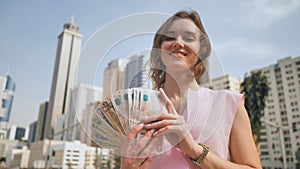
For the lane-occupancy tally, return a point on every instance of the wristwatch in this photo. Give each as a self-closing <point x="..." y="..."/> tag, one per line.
<point x="204" y="153"/>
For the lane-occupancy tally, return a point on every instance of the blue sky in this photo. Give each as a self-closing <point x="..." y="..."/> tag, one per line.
<point x="246" y="34"/>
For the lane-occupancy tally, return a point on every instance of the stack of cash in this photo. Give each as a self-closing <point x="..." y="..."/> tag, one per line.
<point x="114" y="117"/>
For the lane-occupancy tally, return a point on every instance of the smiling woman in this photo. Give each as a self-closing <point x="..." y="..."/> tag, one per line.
<point x="184" y="29"/>
<point x="201" y="128"/>
<point x="181" y="43"/>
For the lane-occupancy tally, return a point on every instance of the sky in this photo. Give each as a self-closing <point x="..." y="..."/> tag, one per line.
<point x="246" y="34"/>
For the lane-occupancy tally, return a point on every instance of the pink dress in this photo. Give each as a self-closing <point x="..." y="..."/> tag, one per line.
<point x="209" y="116"/>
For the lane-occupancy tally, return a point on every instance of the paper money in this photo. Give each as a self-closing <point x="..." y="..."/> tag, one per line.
<point x="110" y="114"/>
<point x="114" y="117"/>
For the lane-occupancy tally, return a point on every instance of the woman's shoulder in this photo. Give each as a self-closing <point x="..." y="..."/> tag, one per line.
<point x="230" y="95"/>
<point x="208" y="93"/>
<point x="219" y="91"/>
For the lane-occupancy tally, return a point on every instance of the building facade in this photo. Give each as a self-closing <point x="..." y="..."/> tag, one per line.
<point x="75" y="125"/>
<point x="7" y="145"/>
<point x="7" y="91"/>
<point x="76" y="155"/>
<point x="32" y="133"/>
<point x="136" y="73"/>
<point x="227" y="82"/>
<point x="114" y="76"/>
<point x="64" y="75"/>
<point x="16" y="133"/>
<point x="40" y="153"/>
<point x="281" y="138"/>
<point x="19" y="158"/>
<point x="41" y="122"/>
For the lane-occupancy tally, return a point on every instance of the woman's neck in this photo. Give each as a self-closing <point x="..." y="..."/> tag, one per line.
<point x="177" y="86"/>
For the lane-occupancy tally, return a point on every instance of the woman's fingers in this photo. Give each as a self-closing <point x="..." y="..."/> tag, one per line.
<point x="144" y="148"/>
<point x="135" y="130"/>
<point x="169" y="105"/>
<point x="137" y="149"/>
<point x="131" y="138"/>
<point x="163" y="123"/>
<point x="153" y="118"/>
<point x="146" y="163"/>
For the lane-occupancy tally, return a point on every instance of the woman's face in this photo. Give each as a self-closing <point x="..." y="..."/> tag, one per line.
<point x="181" y="45"/>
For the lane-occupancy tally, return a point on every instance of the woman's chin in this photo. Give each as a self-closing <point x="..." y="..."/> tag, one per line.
<point x="177" y="67"/>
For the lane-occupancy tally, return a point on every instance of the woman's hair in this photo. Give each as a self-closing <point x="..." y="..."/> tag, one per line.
<point x="158" y="73"/>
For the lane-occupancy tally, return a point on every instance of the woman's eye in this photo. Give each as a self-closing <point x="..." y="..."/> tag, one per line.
<point x="169" y="38"/>
<point x="189" y="39"/>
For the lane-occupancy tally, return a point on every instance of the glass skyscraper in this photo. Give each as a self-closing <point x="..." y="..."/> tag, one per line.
<point x="7" y="90"/>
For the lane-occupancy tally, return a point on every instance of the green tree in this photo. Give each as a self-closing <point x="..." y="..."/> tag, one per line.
<point x="256" y="90"/>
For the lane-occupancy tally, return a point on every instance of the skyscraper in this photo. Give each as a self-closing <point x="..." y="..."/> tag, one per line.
<point x="75" y="124"/>
<point x="64" y="75"/>
<point x="41" y="122"/>
<point x="114" y="76"/>
<point x="32" y="133"/>
<point x="136" y="74"/>
<point x="7" y="90"/>
<point x="283" y="111"/>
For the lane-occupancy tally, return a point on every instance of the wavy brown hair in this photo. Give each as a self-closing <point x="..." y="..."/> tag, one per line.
<point x="158" y="73"/>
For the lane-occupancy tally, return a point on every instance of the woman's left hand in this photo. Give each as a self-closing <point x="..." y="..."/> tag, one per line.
<point x="170" y="124"/>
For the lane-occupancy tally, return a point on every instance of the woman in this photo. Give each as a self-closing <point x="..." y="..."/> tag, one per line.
<point x="208" y="129"/>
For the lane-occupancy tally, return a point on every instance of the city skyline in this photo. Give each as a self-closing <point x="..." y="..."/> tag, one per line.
<point x="246" y="35"/>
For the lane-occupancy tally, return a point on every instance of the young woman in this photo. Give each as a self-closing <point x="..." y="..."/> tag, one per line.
<point x="204" y="128"/>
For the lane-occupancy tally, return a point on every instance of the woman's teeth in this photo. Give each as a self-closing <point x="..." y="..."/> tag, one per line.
<point x="176" y="54"/>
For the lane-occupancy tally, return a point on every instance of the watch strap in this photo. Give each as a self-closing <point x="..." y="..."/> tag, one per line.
<point x="204" y="153"/>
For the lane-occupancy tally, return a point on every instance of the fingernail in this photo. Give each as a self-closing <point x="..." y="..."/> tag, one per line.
<point x="155" y="133"/>
<point x="141" y="125"/>
<point x="147" y="125"/>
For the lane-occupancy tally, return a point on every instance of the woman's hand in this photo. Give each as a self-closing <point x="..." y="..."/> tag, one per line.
<point x="136" y="152"/>
<point x="172" y="125"/>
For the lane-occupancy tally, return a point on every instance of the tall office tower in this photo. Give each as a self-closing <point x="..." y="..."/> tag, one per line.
<point x="114" y="76"/>
<point x="136" y="74"/>
<point x="32" y="133"/>
<point x="75" y="124"/>
<point x="41" y="122"/>
<point x="7" y="91"/>
<point x="64" y="75"/>
<point x="224" y="82"/>
<point x="281" y="129"/>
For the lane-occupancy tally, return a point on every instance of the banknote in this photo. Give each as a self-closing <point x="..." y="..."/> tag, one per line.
<point x="151" y="103"/>
<point x="122" y="115"/>
<point x="114" y="116"/>
<point x="125" y="106"/>
<point x="98" y="124"/>
<point x="110" y="114"/>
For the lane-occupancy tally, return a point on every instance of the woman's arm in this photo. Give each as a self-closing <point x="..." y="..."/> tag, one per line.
<point x="242" y="147"/>
<point x="243" y="151"/>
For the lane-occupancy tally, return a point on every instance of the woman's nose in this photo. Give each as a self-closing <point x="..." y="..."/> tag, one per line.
<point x="178" y="43"/>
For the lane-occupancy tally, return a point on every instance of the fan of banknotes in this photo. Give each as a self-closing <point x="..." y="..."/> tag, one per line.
<point x="114" y="116"/>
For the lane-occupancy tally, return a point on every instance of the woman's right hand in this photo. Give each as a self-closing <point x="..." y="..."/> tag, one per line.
<point x="136" y="153"/>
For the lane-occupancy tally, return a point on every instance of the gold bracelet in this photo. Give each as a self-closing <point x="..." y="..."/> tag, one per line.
<point x="204" y="153"/>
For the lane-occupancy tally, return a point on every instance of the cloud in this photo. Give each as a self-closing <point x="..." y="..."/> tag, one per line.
<point x="262" y="13"/>
<point x="239" y="56"/>
<point x="246" y="48"/>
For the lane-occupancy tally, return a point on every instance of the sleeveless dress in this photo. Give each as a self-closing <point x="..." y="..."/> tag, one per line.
<point x="209" y="116"/>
